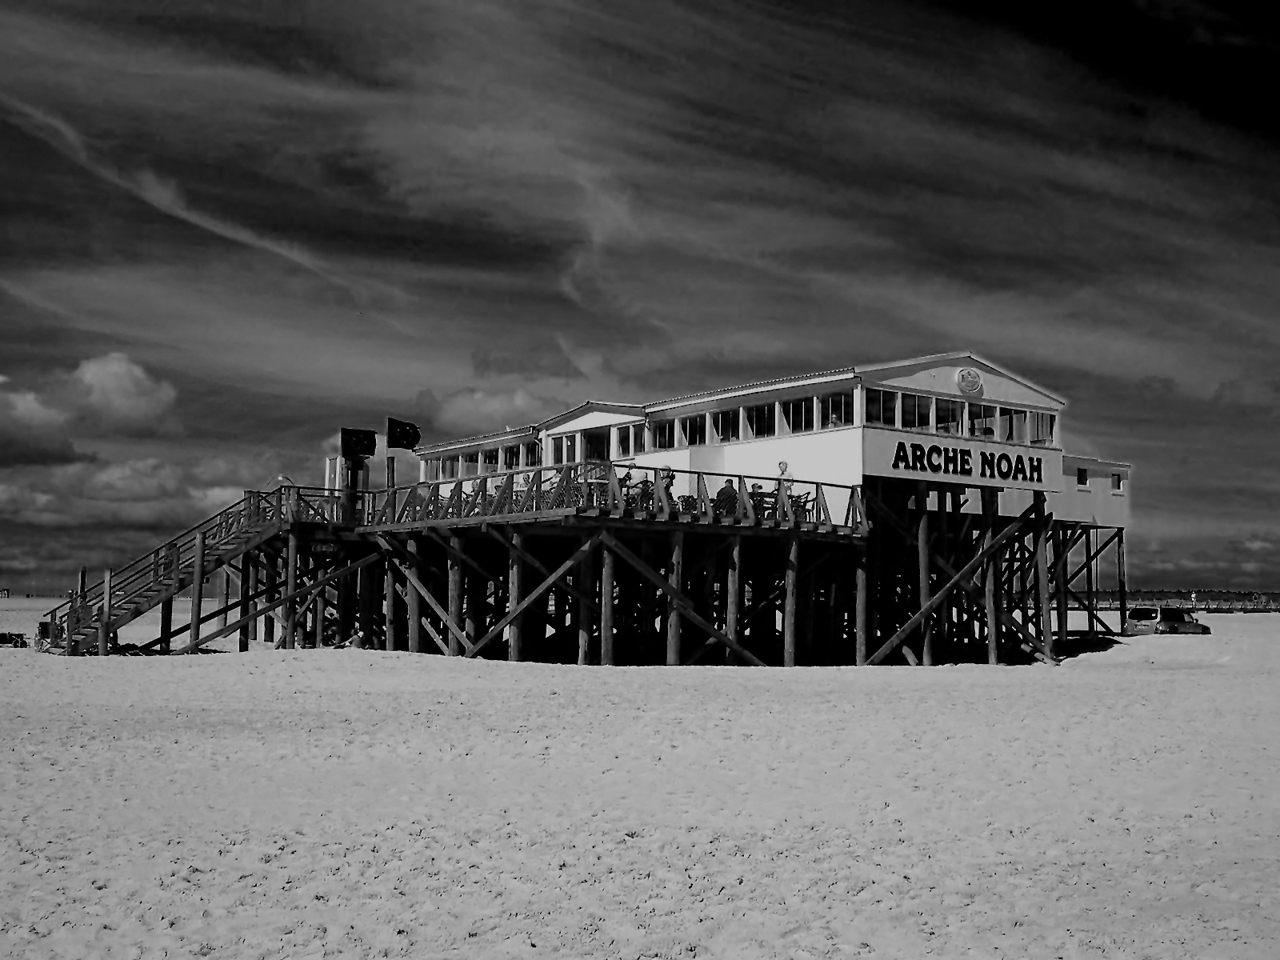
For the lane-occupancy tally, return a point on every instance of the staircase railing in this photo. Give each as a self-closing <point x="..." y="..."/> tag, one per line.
<point x="255" y="510"/>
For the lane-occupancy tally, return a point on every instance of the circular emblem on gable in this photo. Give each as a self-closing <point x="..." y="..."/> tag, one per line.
<point x="969" y="381"/>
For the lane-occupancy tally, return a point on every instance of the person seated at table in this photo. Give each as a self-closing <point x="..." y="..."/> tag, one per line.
<point x="727" y="499"/>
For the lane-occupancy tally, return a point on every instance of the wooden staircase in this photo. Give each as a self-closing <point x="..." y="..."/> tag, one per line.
<point x="166" y="571"/>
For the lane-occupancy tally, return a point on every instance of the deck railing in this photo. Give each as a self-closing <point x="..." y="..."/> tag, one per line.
<point x="641" y="492"/>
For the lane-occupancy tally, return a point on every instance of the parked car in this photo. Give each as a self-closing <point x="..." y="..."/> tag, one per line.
<point x="1144" y="620"/>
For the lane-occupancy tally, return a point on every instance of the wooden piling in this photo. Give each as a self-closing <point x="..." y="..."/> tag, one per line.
<point x="248" y="587"/>
<point x="291" y="587"/>
<point x="271" y="577"/>
<point x="455" y="595"/>
<point x="860" y="612"/>
<point x="412" y="600"/>
<point x="675" y="575"/>
<point x="197" y="587"/>
<point x="1042" y="574"/>
<point x="1122" y="586"/>
<point x="166" y="625"/>
<point x="789" y="602"/>
<point x="226" y="595"/>
<point x="585" y="578"/>
<point x="104" y="619"/>
<point x="922" y="558"/>
<point x="515" y="567"/>
<point x="1063" y="560"/>
<point x="733" y="594"/>
<point x="991" y="574"/>
<point x="606" y="606"/>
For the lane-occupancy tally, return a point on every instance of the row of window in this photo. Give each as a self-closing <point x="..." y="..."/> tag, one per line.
<point x="911" y="411"/>
<point x="516" y="456"/>
<point x="889" y="408"/>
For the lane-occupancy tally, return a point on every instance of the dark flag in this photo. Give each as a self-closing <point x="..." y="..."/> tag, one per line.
<point x="357" y="444"/>
<point x="402" y="435"/>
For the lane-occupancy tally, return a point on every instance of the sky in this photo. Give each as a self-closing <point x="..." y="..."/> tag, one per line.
<point x="229" y="228"/>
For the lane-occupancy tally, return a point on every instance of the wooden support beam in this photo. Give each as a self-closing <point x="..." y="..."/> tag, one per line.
<point x="542" y="588"/>
<point x="733" y="591"/>
<point x="271" y="576"/>
<point x="317" y="613"/>
<point x="197" y="586"/>
<point x="922" y="569"/>
<point x="860" y="611"/>
<point x="1121" y="580"/>
<point x="606" y="608"/>
<point x="515" y="571"/>
<point x="683" y="604"/>
<point x="1044" y="523"/>
<point x="166" y="624"/>
<point x="305" y="593"/>
<point x="226" y="596"/>
<point x="248" y="586"/>
<point x="962" y="575"/>
<point x="991" y="574"/>
<point x="291" y="590"/>
<point x="457" y="637"/>
<point x="586" y="574"/>
<point x="789" y="597"/>
<point x="675" y="572"/>
<point x="1062" y="544"/>
<point x="413" y="615"/>
<point x="104" y="619"/>
<point x="453" y="619"/>
<point x="541" y="567"/>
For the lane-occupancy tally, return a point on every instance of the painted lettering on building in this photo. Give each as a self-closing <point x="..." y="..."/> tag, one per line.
<point x="958" y="461"/>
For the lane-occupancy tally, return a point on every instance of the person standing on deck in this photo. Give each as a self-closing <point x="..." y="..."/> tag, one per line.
<point x="785" y="479"/>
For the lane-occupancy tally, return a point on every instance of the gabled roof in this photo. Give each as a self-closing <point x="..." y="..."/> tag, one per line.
<point x="876" y="371"/>
<point x="592" y="406"/>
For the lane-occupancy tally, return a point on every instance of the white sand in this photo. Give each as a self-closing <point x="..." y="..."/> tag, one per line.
<point x="354" y="804"/>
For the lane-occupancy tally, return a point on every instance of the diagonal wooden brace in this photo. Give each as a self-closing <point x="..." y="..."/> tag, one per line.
<point x="578" y="556"/>
<point x="961" y="576"/>
<point x="404" y="562"/>
<point x="681" y="602"/>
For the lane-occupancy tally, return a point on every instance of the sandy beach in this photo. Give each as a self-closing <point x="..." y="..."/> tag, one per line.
<point x="354" y="804"/>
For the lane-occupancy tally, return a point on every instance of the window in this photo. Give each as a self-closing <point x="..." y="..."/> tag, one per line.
<point x="726" y="424"/>
<point x="1013" y="426"/>
<point x="557" y="449"/>
<point x="449" y="468"/>
<point x="570" y="448"/>
<point x="433" y="469"/>
<point x="664" y="434"/>
<point x="1082" y="477"/>
<point x="798" y="414"/>
<point x="624" y="441"/>
<point x="1041" y="428"/>
<point x="916" y="412"/>
<point x="982" y="420"/>
<point x="471" y="463"/>
<point x="951" y="417"/>
<point x="533" y="454"/>
<point x="1144" y="613"/>
<point x="694" y="429"/>
<point x="637" y="438"/>
<point x="762" y="420"/>
<point x="1117" y="483"/>
<point x="836" y="410"/>
<point x="511" y="457"/>
<point x="489" y="461"/>
<point x="882" y="408"/>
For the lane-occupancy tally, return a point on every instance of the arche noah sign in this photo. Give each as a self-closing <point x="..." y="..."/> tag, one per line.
<point x="955" y="461"/>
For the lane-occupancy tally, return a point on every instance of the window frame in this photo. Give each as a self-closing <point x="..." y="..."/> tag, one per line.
<point x="879" y="395"/>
